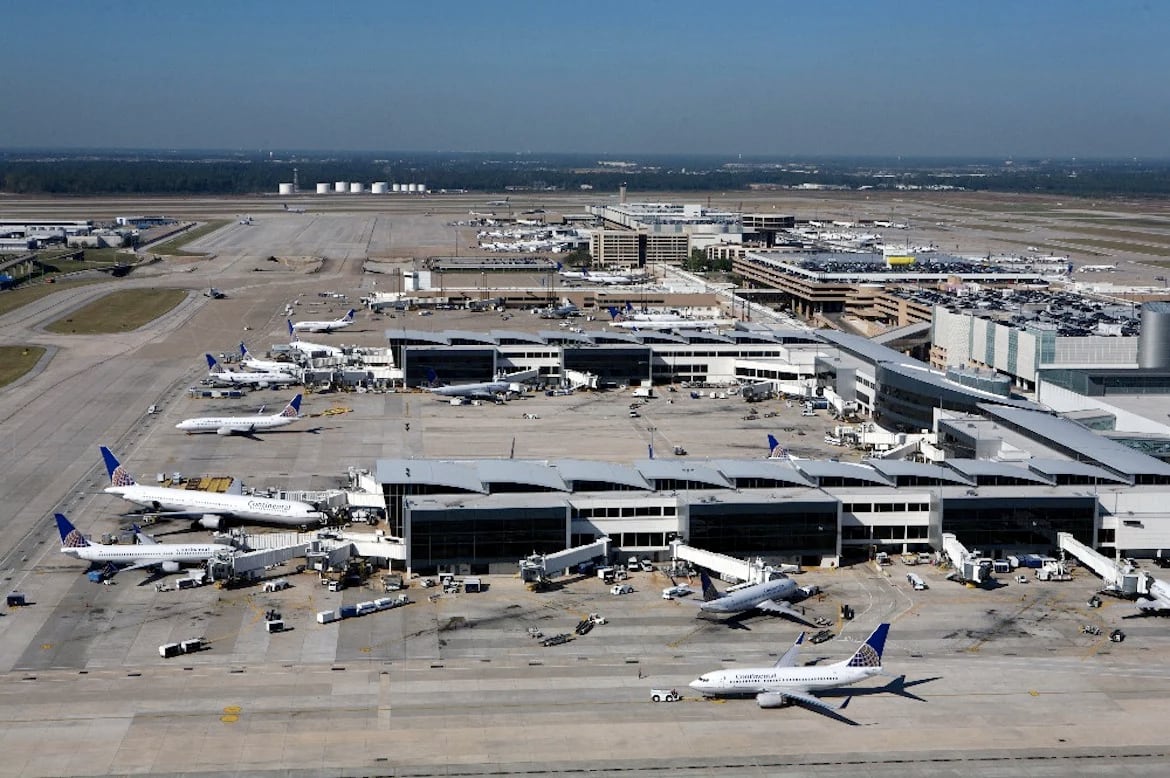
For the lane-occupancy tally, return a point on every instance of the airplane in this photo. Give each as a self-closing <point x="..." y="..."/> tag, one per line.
<point x="292" y="210"/>
<point x="773" y="596"/>
<point x="784" y="683"/>
<point x="500" y="203"/>
<point x="325" y="326"/>
<point x="486" y="390"/>
<point x="244" y="378"/>
<point x="210" y="509"/>
<point x="265" y="365"/>
<point x="147" y="553"/>
<point x="243" y="425"/>
<point x="311" y="350"/>
<point x="1157" y="597"/>
<point x="599" y="278"/>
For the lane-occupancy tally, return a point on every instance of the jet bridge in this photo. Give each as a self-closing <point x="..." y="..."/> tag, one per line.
<point x="539" y="566"/>
<point x="729" y="567"/>
<point x="1119" y="579"/>
<point x="969" y="566"/>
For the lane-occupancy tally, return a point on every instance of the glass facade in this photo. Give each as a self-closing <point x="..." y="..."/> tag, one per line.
<point x="1018" y="523"/>
<point x="481" y="537"/>
<point x="789" y="528"/>
<point x="452" y="366"/>
<point x="618" y="365"/>
<point x="1102" y="383"/>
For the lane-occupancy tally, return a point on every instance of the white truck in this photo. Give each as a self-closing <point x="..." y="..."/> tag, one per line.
<point x="664" y="695"/>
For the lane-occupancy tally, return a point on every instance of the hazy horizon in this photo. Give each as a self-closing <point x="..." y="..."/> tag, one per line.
<point x="915" y="79"/>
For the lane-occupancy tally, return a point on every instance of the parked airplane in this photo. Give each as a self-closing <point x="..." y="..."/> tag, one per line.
<point x="1157" y="597"/>
<point x="292" y="210"/>
<point x="486" y="390"/>
<point x="245" y="378"/>
<point x="773" y="596"/>
<point x="147" y="553"/>
<point x="265" y="365"/>
<point x="784" y="683"/>
<point x="500" y="203"/>
<point x="609" y="279"/>
<point x="243" y="425"/>
<point x="311" y="350"/>
<point x="325" y="326"/>
<point x="209" y="509"/>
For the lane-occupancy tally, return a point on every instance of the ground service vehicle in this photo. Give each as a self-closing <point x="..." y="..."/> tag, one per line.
<point x="664" y="695"/>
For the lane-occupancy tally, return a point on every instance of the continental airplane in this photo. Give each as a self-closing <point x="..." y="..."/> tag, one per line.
<point x="326" y="326"/>
<point x="148" y="553"/>
<point x="243" y="425"/>
<point x="209" y="509"/>
<point x="773" y="596"/>
<point x="784" y="683"/>
<point x="311" y="350"/>
<point x="486" y="390"/>
<point x="245" y="378"/>
<point x="265" y="365"/>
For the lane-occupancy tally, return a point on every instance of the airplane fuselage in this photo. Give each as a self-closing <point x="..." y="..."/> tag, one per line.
<point x="156" y="552"/>
<point x="761" y="680"/>
<point x="224" y="425"/>
<point x="749" y="597"/>
<point x="251" y="379"/>
<point x="251" y="508"/>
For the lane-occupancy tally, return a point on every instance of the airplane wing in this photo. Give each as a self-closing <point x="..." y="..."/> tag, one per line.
<point x="791" y="655"/>
<point x="140" y="565"/>
<point x="773" y="699"/>
<point x="143" y="538"/>
<point x="783" y="608"/>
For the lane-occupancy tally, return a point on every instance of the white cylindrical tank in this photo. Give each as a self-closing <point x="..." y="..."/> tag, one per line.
<point x="1153" y="349"/>
<point x="285" y="189"/>
<point x="412" y="187"/>
<point x="378" y="187"/>
<point x="341" y="186"/>
<point x="396" y="187"/>
<point x="323" y="188"/>
<point x="422" y="188"/>
<point x="356" y="187"/>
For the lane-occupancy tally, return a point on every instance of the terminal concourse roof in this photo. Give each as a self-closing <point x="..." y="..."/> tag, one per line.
<point x="573" y="470"/>
<point x="1056" y="467"/>
<point x="428" y="472"/>
<point x="976" y="468"/>
<point x="827" y="468"/>
<point x="895" y="468"/>
<point x="681" y="470"/>
<point x="518" y="471"/>
<point x="763" y="469"/>
<point x="1078" y="441"/>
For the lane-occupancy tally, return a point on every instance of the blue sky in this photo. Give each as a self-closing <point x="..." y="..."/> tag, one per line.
<point x="913" y="78"/>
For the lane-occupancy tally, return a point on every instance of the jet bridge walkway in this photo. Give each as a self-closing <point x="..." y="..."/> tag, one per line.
<point x="1118" y="579"/>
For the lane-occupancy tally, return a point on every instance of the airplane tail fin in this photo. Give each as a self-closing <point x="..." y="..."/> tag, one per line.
<point x="70" y="536"/>
<point x="212" y="365"/>
<point x="775" y="450"/>
<point x="629" y="306"/>
<point x="117" y="473"/>
<point x="293" y="409"/>
<point x="292" y="333"/>
<point x="142" y="538"/>
<point x="613" y="312"/>
<point x="284" y="205"/>
<point x="560" y="267"/>
<point x="244" y="351"/>
<point x="709" y="590"/>
<point x="432" y="377"/>
<point x="870" y="652"/>
<point x="349" y="316"/>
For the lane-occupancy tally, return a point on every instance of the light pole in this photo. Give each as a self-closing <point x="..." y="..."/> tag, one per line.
<point x="652" y="429"/>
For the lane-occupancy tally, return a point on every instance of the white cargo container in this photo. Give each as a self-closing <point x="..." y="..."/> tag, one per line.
<point x="327" y="617"/>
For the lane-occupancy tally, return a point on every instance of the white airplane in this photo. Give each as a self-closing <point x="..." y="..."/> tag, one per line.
<point x="146" y="553"/>
<point x="1157" y="597"/>
<point x="210" y="509"/>
<point x="500" y="203"/>
<point x="245" y="378"/>
<point x="311" y="350"/>
<point x="485" y="390"/>
<point x="773" y="596"/>
<point x="243" y="425"/>
<point x="609" y="279"/>
<point x="784" y="683"/>
<point x="292" y="210"/>
<point x="265" y="365"/>
<point x="325" y="326"/>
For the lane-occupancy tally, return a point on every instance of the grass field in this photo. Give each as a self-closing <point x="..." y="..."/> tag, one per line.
<point x="1112" y="245"/>
<point x="10" y="301"/>
<point x="1161" y="239"/>
<point x="174" y="246"/>
<point x="121" y="311"/>
<point x="15" y="361"/>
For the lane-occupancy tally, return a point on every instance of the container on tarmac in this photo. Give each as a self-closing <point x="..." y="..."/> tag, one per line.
<point x="327" y="617"/>
<point x="347" y="611"/>
<point x="168" y="650"/>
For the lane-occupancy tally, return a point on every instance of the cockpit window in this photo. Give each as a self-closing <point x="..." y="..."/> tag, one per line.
<point x="703" y="678"/>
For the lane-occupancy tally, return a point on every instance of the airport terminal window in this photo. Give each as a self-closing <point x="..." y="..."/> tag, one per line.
<point x="1019" y="522"/>
<point x="792" y="527"/>
<point x="855" y="533"/>
<point x="917" y="533"/>
<point x="475" y="536"/>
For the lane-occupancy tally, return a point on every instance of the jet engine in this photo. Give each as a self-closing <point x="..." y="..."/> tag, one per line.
<point x="170" y="567"/>
<point x="771" y="700"/>
<point x="224" y="431"/>
<point x="210" y="521"/>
